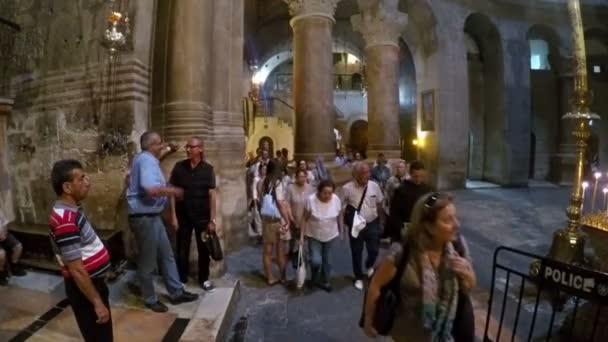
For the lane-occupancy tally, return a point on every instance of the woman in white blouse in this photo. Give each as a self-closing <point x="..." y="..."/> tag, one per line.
<point x="321" y="227"/>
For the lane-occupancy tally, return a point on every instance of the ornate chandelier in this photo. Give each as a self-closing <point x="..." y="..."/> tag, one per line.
<point x="118" y="30"/>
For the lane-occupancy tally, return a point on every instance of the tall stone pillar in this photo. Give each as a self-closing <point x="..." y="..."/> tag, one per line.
<point x="564" y="161"/>
<point x="381" y="26"/>
<point x="187" y="106"/>
<point x="6" y="202"/>
<point x="313" y="98"/>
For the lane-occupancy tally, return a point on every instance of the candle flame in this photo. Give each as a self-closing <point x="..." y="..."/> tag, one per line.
<point x="597" y="175"/>
<point x="115" y="17"/>
<point x="605" y="190"/>
<point x="585" y="185"/>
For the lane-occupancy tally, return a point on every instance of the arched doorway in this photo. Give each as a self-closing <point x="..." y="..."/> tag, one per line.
<point x="407" y="101"/>
<point x="358" y="137"/>
<point x="487" y="150"/>
<point x="268" y="143"/>
<point x="544" y="96"/>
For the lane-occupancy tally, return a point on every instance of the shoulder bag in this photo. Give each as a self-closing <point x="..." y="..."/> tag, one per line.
<point x="388" y="301"/>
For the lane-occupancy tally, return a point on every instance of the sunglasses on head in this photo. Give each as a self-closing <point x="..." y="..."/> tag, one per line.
<point x="431" y="200"/>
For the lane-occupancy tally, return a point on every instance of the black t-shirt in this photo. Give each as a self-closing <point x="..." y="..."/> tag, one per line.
<point x="196" y="183"/>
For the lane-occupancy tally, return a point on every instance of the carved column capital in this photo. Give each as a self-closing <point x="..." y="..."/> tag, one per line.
<point x="380" y="24"/>
<point x="305" y="8"/>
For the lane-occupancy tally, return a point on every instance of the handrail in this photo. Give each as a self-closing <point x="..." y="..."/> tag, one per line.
<point x="282" y="101"/>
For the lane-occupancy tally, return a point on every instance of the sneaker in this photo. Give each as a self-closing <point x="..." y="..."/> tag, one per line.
<point x="359" y="284"/>
<point x="208" y="287"/>
<point x="17" y="270"/>
<point x="185" y="297"/>
<point x="370" y="272"/>
<point x="157" y="307"/>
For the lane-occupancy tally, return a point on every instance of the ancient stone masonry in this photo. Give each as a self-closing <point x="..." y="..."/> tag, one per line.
<point x="381" y="26"/>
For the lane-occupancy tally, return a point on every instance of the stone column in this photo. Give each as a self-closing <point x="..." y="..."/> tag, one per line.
<point x="6" y="202"/>
<point x="313" y="97"/>
<point x="381" y="26"/>
<point x="564" y="161"/>
<point x="187" y="109"/>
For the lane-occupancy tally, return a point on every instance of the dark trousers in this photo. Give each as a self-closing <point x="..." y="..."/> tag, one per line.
<point x="85" y="312"/>
<point x="184" y="238"/>
<point x="370" y="237"/>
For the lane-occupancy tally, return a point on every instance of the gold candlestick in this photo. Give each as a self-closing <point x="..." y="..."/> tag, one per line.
<point x="597" y="176"/>
<point x="569" y="244"/>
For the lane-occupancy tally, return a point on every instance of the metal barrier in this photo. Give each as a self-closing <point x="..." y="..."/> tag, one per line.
<point x="561" y="303"/>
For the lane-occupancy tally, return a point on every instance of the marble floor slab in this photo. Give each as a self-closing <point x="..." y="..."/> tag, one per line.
<point x="129" y="325"/>
<point x="20" y="307"/>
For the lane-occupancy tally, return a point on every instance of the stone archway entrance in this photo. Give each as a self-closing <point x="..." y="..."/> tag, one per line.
<point x="359" y="137"/>
<point x="267" y="143"/>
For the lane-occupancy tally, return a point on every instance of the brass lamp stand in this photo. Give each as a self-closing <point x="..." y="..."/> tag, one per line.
<point x="569" y="243"/>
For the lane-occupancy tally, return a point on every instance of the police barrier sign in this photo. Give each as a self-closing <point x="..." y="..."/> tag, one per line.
<point x="577" y="281"/>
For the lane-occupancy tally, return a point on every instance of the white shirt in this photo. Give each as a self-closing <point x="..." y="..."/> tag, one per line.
<point x="323" y="221"/>
<point x="352" y="192"/>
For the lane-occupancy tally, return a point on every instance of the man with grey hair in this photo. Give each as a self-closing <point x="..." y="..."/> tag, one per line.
<point x="365" y="197"/>
<point x="147" y="196"/>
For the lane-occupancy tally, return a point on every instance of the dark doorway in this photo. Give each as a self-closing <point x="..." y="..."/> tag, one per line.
<point x="358" y="137"/>
<point x="266" y="142"/>
<point x="532" y="155"/>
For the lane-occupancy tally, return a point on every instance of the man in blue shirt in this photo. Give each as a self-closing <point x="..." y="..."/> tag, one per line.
<point x="147" y="196"/>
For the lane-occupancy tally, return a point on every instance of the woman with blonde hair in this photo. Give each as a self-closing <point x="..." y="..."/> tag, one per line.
<point x="436" y="276"/>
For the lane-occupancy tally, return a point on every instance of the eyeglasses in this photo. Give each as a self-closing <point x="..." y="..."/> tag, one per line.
<point x="191" y="146"/>
<point x="431" y="200"/>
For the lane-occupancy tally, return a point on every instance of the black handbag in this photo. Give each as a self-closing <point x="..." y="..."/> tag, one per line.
<point x="463" y="327"/>
<point x="212" y="241"/>
<point x="388" y="301"/>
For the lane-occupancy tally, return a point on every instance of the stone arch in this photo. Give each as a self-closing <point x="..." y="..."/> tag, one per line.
<point x="487" y="117"/>
<point x="407" y="100"/>
<point x="267" y="141"/>
<point x="545" y="101"/>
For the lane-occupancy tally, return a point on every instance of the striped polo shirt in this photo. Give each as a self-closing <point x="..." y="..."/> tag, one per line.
<point x="73" y="238"/>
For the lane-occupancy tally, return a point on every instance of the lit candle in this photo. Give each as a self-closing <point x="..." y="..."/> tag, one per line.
<point x="585" y="185"/>
<point x="605" y="207"/>
<point x="597" y="176"/>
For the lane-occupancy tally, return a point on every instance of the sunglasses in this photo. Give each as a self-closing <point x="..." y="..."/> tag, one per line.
<point x="430" y="202"/>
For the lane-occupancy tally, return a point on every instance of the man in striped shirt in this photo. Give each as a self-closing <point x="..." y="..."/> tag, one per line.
<point x="82" y="256"/>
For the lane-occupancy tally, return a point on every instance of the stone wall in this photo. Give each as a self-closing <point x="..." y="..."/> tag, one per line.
<point x="545" y="120"/>
<point x="63" y="109"/>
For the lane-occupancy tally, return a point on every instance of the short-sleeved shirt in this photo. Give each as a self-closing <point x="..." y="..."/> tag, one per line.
<point x="297" y="198"/>
<point x="145" y="173"/>
<point x="351" y="195"/>
<point x="279" y="190"/>
<point x="323" y="221"/>
<point x="196" y="182"/>
<point x="73" y="238"/>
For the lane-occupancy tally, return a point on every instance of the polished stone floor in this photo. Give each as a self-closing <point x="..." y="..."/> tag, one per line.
<point x="490" y="217"/>
<point x="34" y="308"/>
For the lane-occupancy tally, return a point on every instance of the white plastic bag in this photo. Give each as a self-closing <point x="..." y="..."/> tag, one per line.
<point x="301" y="271"/>
<point x="358" y="225"/>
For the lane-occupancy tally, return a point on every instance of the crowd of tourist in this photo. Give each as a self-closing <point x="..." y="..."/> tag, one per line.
<point x="296" y="210"/>
<point x="379" y="206"/>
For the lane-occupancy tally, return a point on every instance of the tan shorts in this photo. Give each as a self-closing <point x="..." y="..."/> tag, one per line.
<point x="270" y="231"/>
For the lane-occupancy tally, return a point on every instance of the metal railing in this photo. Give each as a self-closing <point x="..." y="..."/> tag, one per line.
<point x="282" y="82"/>
<point x="562" y="302"/>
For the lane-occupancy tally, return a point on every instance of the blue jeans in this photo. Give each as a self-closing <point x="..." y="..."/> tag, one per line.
<point x="154" y="249"/>
<point x="370" y="237"/>
<point x="320" y="265"/>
